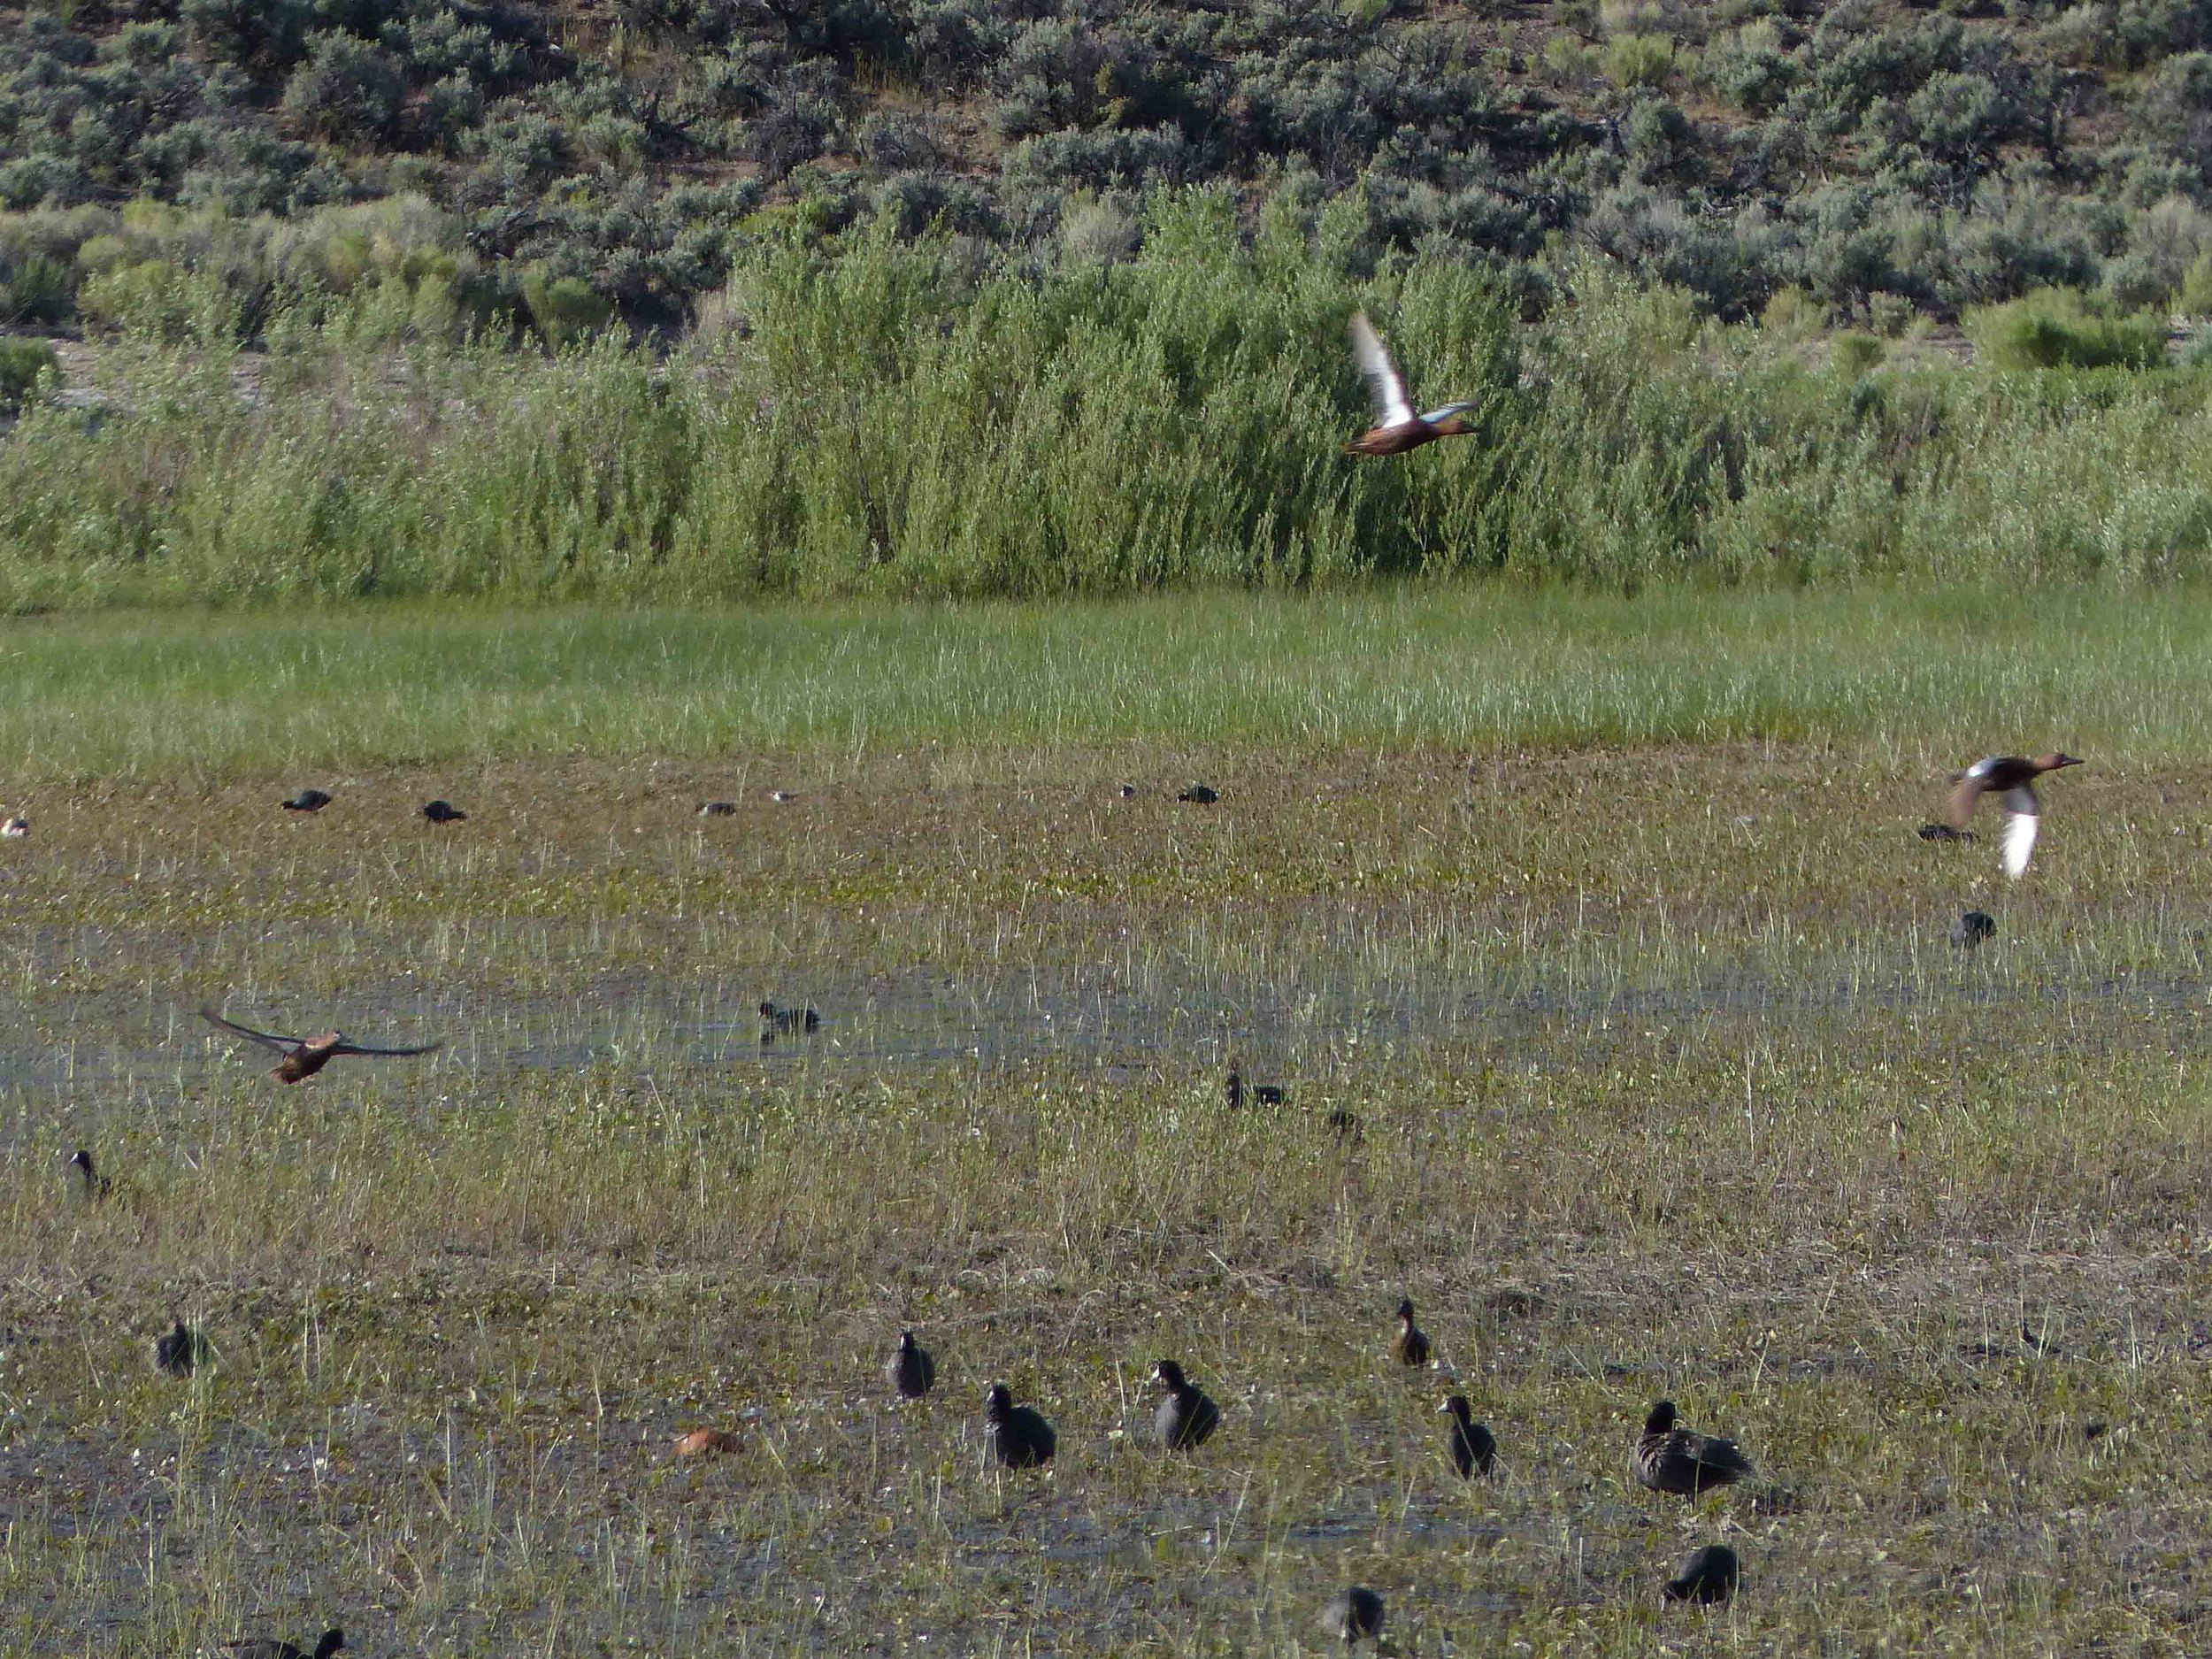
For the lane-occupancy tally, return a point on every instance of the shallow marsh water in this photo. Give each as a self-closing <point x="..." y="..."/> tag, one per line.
<point x="1657" y="1098"/>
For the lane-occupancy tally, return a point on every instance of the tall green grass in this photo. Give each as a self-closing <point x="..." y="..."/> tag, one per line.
<point x="1906" y="682"/>
<point x="890" y="419"/>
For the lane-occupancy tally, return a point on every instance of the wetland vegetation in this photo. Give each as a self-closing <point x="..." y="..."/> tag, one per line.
<point x="582" y="411"/>
<point x="1605" y="917"/>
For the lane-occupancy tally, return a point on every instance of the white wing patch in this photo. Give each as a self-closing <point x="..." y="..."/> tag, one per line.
<point x="1385" y="389"/>
<point x="2020" y="826"/>
<point x="1980" y="768"/>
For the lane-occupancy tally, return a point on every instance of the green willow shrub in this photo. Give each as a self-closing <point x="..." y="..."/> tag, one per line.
<point x="2065" y="328"/>
<point x="22" y="363"/>
<point x="876" y="415"/>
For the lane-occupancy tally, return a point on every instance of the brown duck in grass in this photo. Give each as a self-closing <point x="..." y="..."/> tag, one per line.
<point x="1396" y="428"/>
<point x="303" y="1056"/>
<point x="1672" y="1459"/>
<point x="2011" y="778"/>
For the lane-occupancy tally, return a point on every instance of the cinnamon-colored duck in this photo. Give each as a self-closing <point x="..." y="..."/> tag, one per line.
<point x="1396" y="428"/>
<point x="303" y="1056"/>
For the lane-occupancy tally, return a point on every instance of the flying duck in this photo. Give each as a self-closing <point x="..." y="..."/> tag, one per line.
<point x="442" y="812"/>
<point x="1681" y="1461"/>
<point x="2012" y="777"/>
<point x="1396" y="428"/>
<point x="707" y="1443"/>
<point x="1409" y="1346"/>
<point x="911" y="1371"/>
<point x="1018" y="1436"/>
<point x="307" y="801"/>
<point x="1186" y="1416"/>
<point x="1352" y="1614"/>
<point x="270" y="1647"/>
<point x="303" y="1056"/>
<point x="718" y="809"/>
<point x="1472" y="1445"/>
<point x="16" y="827"/>
<point x="1708" y="1575"/>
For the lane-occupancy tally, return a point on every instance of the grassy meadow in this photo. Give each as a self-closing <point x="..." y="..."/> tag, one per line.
<point x="1604" y="915"/>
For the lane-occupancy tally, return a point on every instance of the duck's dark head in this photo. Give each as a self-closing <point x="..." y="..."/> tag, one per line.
<point x="333" y="1639"/>
<point x="768" y="1011"/>
<point x="998" y="1405"/>
<point x="906" y="1341"/>
<point x="1661" y="1418"/>
<point x="1457" y="1406"/>
<point x="1405" y="1311"/>
<point x="1169" y="1375"/>
<point x="82" y="1159"/>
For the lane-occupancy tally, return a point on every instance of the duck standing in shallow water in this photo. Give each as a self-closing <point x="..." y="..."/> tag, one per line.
<point x="2012" y="779"/>
<point x="1396" y="428"/>
<point x="303" y="1056"/>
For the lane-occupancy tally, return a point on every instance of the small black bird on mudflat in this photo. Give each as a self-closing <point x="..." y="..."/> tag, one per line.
<point x="1018" y="1436"/>
<point x="911" y="1370"/>
<point x="1473" y="1447"/>
<point x="307" y="801"/>
<point x="97" y="1188"/>
<point x="785" y="1022"/>
<point x="1708" y="1575"/>
<point x="1186" y="1416"/>
<point x="1354" y="1614"/>
<point x="180" y="1352"/>
<point x="271" y="1647"/>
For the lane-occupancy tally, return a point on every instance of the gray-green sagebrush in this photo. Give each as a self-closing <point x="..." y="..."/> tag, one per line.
<point x="925" y="421"/>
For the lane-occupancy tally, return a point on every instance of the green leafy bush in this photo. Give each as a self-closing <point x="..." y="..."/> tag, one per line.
<point x="22" y="363"/>
<point x="2065" y="328"/>
<point x="563" y="307"/>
